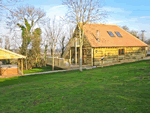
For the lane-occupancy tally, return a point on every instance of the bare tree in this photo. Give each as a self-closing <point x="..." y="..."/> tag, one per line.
<point x="125" y="28"/>
<point x="11" y="41"/>
<point x="45" y="43"/>
<point x="23" y="15"/>
<point x="68" y="33"/>
<point x="147" y="41"/>
<point x="15" y="41"/>
<point x="4" y="4"/>
<point x="133" y="32"/>
<point x="62" y="44"/>
<point x="81" y="12"/>
<point x="25" y="18"/>
<point x="54" y="33"/>
<point x="7" y="42"/>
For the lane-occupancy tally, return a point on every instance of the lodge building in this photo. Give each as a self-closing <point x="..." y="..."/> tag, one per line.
<point x="108" y="41"/>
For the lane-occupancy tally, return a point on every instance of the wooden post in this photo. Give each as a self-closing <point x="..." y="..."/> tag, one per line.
<point x="75" y="51"/>
<point x="102" y="62"/>
<point x="58" y="61"/>
<point x="80" y="60"/>
<point x="92" y="57"/>
<point x="63" y="62"/>
<point x="22" y="66"/>
<point x="69" y="62"/>
<point x="70" y="56"/>
<point x="18" y="65"/>
<point x="53" y="63"/>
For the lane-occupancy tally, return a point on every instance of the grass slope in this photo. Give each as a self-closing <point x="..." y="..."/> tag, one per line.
<point x="120" y="88"/>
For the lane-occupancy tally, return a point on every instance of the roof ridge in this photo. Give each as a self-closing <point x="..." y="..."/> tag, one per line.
<point x="102" y="24"/>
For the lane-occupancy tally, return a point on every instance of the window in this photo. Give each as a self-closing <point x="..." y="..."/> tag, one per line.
<point x="110" y="33"/>
<point x="121" y="51"/>
<point x="143" y="48"/>
<point x="88" y="51"/>
<point x="118" y="34"/>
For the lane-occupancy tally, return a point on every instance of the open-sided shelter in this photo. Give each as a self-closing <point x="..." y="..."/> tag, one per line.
<point x="6" y="70"/>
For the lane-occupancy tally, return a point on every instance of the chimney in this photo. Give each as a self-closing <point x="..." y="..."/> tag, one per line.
<point x="97" y="36"/>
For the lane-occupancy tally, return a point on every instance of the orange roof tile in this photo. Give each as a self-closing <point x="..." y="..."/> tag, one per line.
<point x="127" y="39"/>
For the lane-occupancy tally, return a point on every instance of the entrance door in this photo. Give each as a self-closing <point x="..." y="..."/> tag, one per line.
<point x="84" y="56"/>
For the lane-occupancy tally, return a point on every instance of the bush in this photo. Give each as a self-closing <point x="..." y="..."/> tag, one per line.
<point x="41" y="62"/>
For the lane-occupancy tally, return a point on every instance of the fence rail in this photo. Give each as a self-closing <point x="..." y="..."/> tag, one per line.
<point x="59" y="62"/>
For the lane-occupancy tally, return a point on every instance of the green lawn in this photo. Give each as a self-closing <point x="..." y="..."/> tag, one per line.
<point x="41" y="69"/>
<point x="35" y="70"/>
<point x="123" y="88"/>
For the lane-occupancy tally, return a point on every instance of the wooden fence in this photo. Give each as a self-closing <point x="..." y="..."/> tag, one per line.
<point x="59" y="62"/>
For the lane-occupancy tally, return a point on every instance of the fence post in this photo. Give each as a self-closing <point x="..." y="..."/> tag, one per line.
<point x="63" y="62"/>
<point x="69" y="62"/>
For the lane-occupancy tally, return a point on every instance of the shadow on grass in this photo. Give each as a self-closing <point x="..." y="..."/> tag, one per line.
<point x="30" y="78"/>
<point x="126" y="63"/>
<point x="17" y="80"/>
<point x="25" y="79"/>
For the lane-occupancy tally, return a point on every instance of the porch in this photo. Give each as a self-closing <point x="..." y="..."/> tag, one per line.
<point x="65" y="63"/>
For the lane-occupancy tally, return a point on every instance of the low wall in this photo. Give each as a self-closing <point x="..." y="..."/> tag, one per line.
<point x="8" y="70"/>
<point x="115" y="59"/>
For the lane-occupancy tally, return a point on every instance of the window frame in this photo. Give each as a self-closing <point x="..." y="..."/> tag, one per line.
<point x="121" y="51"/>
<point x="111" y="32"/>
<point x="117" y="34"/>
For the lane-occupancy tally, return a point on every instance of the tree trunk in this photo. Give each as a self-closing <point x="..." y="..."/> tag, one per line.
<point x="80" y="55"/>
<point x="45" y="53"/>
<point x="80" y="64"/>
<point x="26" y="61"/>
<point x="62" y="51"/>
<point x="36" y="61"/>
<point x="45" y="59"/>
<point x="51" y="52"/>
<point x="53" y="59"/>
<point x="75" y="51"/>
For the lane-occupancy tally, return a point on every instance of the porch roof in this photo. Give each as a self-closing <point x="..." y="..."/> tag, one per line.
<point x="6" y="54"/>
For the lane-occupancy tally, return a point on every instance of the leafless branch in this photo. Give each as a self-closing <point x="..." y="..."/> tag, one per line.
<point x="30" y="13"/>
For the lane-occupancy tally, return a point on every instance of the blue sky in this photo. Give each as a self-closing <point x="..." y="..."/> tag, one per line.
<point x="133" y="13"/>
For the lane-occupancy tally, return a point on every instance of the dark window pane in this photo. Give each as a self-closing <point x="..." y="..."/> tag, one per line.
<point x="122" y="51"/>
<point x="119" y="52"/>
<point x="110" y="34"/>
<point x="118" y="34"/>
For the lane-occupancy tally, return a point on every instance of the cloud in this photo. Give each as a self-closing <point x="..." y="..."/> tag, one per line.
<point x="145" y="17"/>
<point x="56" y="11"/>
<point x="133" y="19"/>
<point x="116" y="10"/>
<point x="121" y="21"/>
<point x="114" y="22"/>
<point x="56" y="7"/>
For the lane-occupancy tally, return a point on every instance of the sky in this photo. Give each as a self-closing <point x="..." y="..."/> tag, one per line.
<point x="133" y="13"/>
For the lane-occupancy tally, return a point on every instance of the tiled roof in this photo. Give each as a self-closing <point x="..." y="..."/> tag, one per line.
<point x="105" y="40"/>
